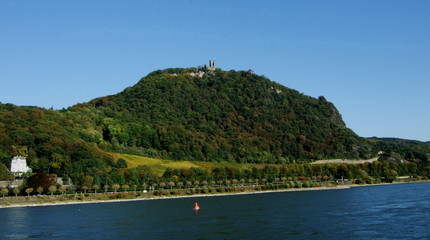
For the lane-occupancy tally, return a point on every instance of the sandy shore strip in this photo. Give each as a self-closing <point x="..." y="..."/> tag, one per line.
<point x="21" y="205"/>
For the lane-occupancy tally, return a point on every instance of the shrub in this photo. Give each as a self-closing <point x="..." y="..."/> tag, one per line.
<point x="157" y="193"/>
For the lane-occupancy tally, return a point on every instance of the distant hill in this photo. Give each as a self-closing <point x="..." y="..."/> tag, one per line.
<point x="184" y="114"/>
<point x="402" y="149"/>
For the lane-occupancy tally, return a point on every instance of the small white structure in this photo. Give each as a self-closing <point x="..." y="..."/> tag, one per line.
<point x="18" y="166"/>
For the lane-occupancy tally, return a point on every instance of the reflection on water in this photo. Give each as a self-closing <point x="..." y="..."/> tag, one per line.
<point x="16" y="217"/>
<point x="376" y="212"/>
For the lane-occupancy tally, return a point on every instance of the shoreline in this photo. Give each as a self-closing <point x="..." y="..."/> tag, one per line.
<point x="73" y="202"/>
<point x="152" y="197"/>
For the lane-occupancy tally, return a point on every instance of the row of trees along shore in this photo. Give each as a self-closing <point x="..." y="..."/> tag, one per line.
<point x="270" y="176"/>
<point x="196" y="186"/>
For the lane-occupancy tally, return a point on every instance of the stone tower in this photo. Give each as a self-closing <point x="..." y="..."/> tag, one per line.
<point x="211" y="65"/>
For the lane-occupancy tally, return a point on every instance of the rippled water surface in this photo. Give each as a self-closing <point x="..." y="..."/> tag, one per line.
<point x="376" y="212"/>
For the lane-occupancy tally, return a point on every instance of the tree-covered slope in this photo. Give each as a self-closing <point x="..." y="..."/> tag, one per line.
<point x="49" y="139"/>
<point x="234" y="116"/>
<point x="180" y="114"/>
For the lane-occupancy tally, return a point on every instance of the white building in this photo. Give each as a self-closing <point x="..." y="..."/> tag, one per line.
<point x="18" y="166"/>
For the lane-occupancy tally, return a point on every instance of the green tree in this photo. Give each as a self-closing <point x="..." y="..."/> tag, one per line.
<point x="28" y="191"/>
<point x="39" y="190"/>
<point x="96" y="187"/>
<point x="235" y="181"/>
<point x="4" y="191"/>
<point x="52" y="189"/>
<point x="62" y="189"/>
<point x="5" y="175"/>
<point x="197" y="183"/>
<point x="121" y="163"/>
<point x="115" y="187"/>
<point x="390" y="175"/>
<point x="125" y="187"/>
<point x="88" y="181"/>
<point x="72" y="188"/>
<point x="283" y="179"/>
<point x="117" y="177"/>
<point x="85" y="188"/>
<point x="16" y="191"/>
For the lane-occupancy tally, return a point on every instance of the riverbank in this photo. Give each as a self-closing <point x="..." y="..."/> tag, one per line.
<point x="111" y="197"/>
<point x="56" y="200"/>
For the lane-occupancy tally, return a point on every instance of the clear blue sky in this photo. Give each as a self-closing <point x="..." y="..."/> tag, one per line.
<point x="370" y="58"/>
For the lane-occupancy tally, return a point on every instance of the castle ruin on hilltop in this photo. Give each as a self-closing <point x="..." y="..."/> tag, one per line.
<point x="206" y="70"/>
<point x="211" y="65"/>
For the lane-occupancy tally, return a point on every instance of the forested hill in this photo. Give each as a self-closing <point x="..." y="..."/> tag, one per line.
<point x="234" y="116"/>
<point x="188" y="114"/>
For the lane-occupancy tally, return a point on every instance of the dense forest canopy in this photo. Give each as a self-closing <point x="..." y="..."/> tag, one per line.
<point x="224" y="116"/>
<point x="189" y="114"/>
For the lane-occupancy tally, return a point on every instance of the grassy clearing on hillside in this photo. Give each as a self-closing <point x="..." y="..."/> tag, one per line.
<point x="158" y="166"/>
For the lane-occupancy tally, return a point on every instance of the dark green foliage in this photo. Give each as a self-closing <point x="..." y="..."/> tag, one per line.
<point x="52" y="140"/>
<point x="407" y="157"/>
<point x="407" y="149"/>
<point x="5" y="175"/>
<point x="233" y="116"/>
<point x="121" y="163"/>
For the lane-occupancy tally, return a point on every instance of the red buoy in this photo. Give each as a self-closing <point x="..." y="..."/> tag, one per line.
<point x="196" y="206"/>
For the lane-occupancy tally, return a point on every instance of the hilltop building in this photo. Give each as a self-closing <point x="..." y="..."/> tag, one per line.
<point x="18" y="166"/>
<point x="203" y="70"/>
<point x="211" y="65"/>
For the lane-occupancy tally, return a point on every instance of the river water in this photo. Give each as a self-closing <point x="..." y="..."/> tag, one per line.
<point x="400" y="211"/>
